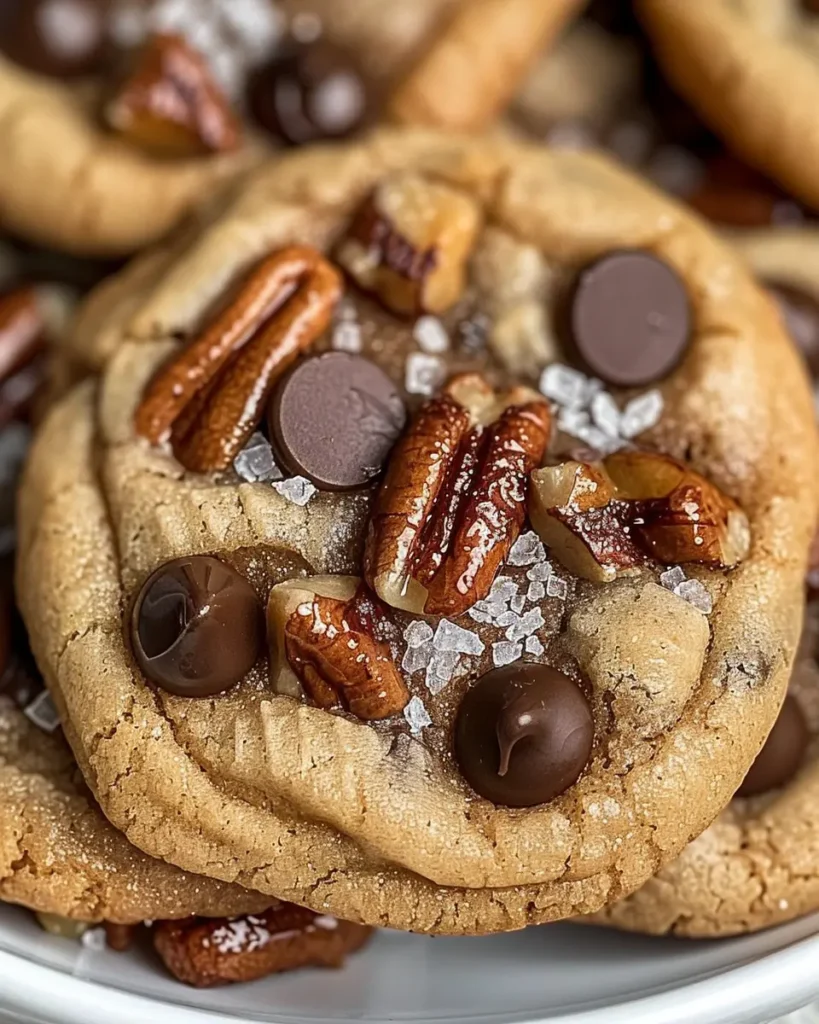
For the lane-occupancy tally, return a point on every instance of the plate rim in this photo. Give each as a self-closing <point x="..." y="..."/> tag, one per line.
<point x="755" y="987"/>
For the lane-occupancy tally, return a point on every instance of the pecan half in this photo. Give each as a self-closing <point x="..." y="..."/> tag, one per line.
<point x="324" y="635"/>
<point x="206" y="952"/>
<point x="409" y="243"/>
<point x="605" y="519"/>
<point x="22" y="331"/>
<point x="170" y="105"/>
<point x="454" y="498"/>
<point x="209" y="399"/>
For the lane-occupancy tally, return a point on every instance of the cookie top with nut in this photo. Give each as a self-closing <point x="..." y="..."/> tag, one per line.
<point x="521" y="638"/>
<point x="751" y="69"/>
<point x="122" y="116"/>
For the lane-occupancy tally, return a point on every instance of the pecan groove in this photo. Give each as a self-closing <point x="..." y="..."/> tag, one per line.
<point x="454" y="500"/>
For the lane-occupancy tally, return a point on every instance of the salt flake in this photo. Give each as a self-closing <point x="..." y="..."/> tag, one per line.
<point x="42" y="713"/>
<point x="431" y="335"/>
<point x="504" y="653"/>
<point x="441" y="669"/>
<point x="255" y="462"/>
<point x="555" y="587"/>
<point x="347" y="337"/>
<point x="605" y="414"/>
<point x="451" y="637"/>
<point x="641" y="414"/>
<point x="527" y="550"/>
<point x="416" y="715"/>
<point x="534" y="646"/>
<point x="297" y="489"/>
<point x="672" y="578"/>
<point x="536" y="592"/>
<point x="695" y="594"/>
<point x="424" y="374"/>
<point x="566" y="386"/>
<point x="527" y="624"/>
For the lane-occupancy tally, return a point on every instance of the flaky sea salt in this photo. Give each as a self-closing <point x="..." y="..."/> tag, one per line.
<point x="451" y="637"/>
<point x="518" y="603"/>
<point x="431" y="335"/>
<point x="695" y="594"/>
<point x="417" y="716"/>
<point x="526" y="625"/>
<point x="347" y="336"/>
<point x="504" y="653"/>
<point x="418" y="637"/>
<point x="556" y="587"/>
<point x="42" y="713"/>
<point x="605" y="414"/>
<point x="440" y="670"/>
<point x="539" y="573"/>
<point x="424" y="373"/>
<point x="297" y="489"/>
<point x="536" y="592"/>
<point x="255" y="463"/>
<point x="566" y="386"/>
<point x="641" y="414"/>
<point x="672" y="578"/>
<point x="527" y="550"/>
<point x="533" y="646"/>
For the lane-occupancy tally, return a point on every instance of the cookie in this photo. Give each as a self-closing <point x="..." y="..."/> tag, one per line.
<point x="758" y="864"/>
<point x="409" y="680"/>
<point x="751" y="70"/>
<point x="114" y="139"/>
<point x="58" y="854"/>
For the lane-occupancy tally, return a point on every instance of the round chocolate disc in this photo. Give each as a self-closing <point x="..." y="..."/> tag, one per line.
<point x="309" y="93"/>
<point x="800" y="311"/>
<point x="781" y="757"/>
<point x="334" y="420"/>
<point x="59" y="38"/>
<point x="629" y="318"/>
<point x="197" y="627"/>
<point x="523" y="735"/>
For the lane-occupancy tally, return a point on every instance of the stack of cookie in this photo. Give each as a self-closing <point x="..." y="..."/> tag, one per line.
<point x="416" y="533"/>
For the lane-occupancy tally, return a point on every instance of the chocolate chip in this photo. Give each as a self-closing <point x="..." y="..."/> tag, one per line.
<point x="629" y="318"/>
<point x="59" y="38"/>
<point x="800" y="311"/>
<point x="334" y="420"/>
<point x="523" y="735"/>
<point x="197" y="627"/>
<point x="735" y="195"/>
<point x="781" y="757"/>
<point x="309" y="93"/>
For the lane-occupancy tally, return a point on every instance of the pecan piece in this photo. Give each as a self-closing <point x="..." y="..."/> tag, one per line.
<point x="170" y="105"/>
<point x="324" y="639"/>
<point x="205" y="952"/>
<point x="454" y="498"/>
<point x="210" y="398"/>
<point x="605" y="519"/>
<point x="22" y="332"/>
<point x="409" y="243"/>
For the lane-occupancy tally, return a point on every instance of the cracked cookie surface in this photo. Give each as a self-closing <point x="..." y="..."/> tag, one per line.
<point x="58" y="854"/>
<point x="320" y="807"/>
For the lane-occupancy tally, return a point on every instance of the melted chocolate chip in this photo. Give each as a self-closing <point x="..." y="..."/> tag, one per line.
<point x="523" y="735"/>
<point x="59" y="38"/>
<point x="800" y="311"/>
<point x="334" y="420"/>
<point x="629" y="318"/>
<point x="781" y="757"/>
<point x="310" y="93"/>
<point x="197" y="627"/>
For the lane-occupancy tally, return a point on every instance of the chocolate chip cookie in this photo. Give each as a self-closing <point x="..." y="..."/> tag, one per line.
<point x="120" y="116"/>
<point x="511" y="648"/>
<point x="751" y="70"/>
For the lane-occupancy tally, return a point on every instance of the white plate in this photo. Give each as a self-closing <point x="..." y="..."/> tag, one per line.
<point x="563" y="973"/>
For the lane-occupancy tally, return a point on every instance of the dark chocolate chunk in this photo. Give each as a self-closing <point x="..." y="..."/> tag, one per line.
<point x="523" y="735"/>
<point x="781" y="757"/>
<point x="59" y="38"/>
<point x="629" y="318"/>
<point x="197" y="627"/>
<point x="800" y="311"/>
<point x="309" y="93"/>
<point x="334" y="420"/>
